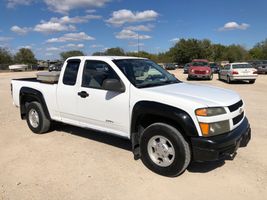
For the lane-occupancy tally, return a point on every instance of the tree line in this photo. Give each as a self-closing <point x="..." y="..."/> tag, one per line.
<point x="23" y="56"/>
<point x="184" y="51"/>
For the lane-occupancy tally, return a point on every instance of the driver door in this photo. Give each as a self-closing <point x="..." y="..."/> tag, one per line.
<point x="98" y="108"/>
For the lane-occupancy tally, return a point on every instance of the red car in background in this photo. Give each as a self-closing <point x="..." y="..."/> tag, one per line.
<point x="200" y="69"/>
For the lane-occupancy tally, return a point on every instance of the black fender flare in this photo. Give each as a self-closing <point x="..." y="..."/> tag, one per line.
<point x="177" y="116"/>
<point x="29" y="94"/>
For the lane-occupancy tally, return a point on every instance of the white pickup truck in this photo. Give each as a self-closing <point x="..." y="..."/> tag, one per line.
<point x="169" y="123"/>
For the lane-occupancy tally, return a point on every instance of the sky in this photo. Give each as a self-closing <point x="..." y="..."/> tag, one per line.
<point x="49" y="27"/>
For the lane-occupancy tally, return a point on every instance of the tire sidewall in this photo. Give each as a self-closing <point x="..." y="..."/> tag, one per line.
<point x="34" y="106"/>
<point x="171" y="134"/>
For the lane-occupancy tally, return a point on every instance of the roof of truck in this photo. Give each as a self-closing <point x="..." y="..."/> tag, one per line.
<point x="105" y="57"/>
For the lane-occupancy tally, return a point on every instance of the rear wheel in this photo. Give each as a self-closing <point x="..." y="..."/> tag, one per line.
<point x="164" y="150"/>
<point x="228" y="79"/>
<point x="252" y="81"/>
<point x="36" y="118"/>
<point x="219" y="76"/>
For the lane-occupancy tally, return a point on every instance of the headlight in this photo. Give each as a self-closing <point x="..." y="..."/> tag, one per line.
<point x="215" y="128"/>
<point x="210" y="111"/>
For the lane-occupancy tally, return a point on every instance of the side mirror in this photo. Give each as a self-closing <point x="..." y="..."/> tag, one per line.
<point x="113" y="85"/>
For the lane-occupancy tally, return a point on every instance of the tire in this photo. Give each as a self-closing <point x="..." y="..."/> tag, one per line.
<point x="36" y="118"/>
<point x="219" y="77"/>
<point x="228" y="79"/>
<point x="167" y="139"/>
<point x="252" y="81"/>
<point x="211" y="77"/>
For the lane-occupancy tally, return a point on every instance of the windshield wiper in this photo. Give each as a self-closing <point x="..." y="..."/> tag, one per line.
<point x="159" y="83"/>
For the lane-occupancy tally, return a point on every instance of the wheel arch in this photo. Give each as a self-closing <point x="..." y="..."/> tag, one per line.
<point x="146" y="113"/>
<point x="28" y="95"/>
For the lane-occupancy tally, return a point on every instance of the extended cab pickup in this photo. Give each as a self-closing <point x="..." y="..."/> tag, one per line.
<point x="169" y="123"/>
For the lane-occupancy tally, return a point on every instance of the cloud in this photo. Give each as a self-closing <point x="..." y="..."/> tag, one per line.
<point x="5" y="39"/>
<point x="76" y="46"/>
<point x="71" y="37"/>
<point x="128" y="34"/>
<point x="25" y="47"/>
<point x="20" y="30"/>
<point x="121" y="17"/>
<point x="96" y="46"/>
<point x="144" y="28"/>
<point x="62" y="24"/>
<point x="14" y="3"/>
<point x="135" y="44"/>
<point x="234" y="26"/>
<point x="53" y="27"/>
<point x="64" y="6"/>
<point x="74" y="20"/>
<point x="53" y="49"/>
<point x="174" y="40"/>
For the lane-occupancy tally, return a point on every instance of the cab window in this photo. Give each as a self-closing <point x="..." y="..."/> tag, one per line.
<point x="95" y="72"/>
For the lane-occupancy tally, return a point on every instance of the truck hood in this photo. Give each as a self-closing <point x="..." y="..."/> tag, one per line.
<point x="201" y="94"/>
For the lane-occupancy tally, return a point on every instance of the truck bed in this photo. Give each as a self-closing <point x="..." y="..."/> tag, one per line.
<point x="32" y="80"/>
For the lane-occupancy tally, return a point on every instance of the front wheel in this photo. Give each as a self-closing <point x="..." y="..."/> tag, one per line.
<point x="211" y="77"/>
<point x="36" y="118"/>
<point x="252" y="81"/>
<point x="164" y="150"/>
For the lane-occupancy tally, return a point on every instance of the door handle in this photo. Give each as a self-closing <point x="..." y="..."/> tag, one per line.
<point x="83" y="94"/>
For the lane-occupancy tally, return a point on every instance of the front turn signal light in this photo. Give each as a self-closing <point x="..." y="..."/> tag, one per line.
<point x="202" y="112"/>
<point x="204" y="128"/>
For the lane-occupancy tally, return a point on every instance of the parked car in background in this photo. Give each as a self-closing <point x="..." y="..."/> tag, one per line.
<point x="214" y="67"/>
<point x="18" y="67"/>
<point x="169" y="66"/>
<point x="238" y="71"/>
<point x="223" y="63"/>
<point x="55" y="67"/>
<point x="260" y="65"/>
<point x="186" y="67"/>
<point x="200" y="69"/>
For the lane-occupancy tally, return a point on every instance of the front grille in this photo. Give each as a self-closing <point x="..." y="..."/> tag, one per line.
<point x="235" y="106"/>
<point x="199" y="72"/>
<point x="238" y="118"/>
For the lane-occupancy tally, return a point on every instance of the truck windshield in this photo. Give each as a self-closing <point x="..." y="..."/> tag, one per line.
<point x="145" y="73"/>
<point x="200" y="64"/>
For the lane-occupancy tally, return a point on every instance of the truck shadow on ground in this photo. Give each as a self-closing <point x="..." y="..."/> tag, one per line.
<point x="102" y="137"/>
<point x="235" y="82"/>
<point x="125" y="144"/>
<point x="205" y="167"/>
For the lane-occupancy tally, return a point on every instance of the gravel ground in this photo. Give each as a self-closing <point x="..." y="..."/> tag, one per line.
<point x="72" y="163"/>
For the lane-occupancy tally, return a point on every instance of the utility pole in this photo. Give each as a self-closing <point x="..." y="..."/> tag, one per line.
<point x="138" y="44"/>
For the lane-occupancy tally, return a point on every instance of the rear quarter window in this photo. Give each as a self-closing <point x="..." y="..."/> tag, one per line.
<point x="71" y="71"/>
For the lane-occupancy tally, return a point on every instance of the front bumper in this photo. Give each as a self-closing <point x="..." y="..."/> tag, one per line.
<point x="199" y="76"/>
<point x="221" y="146"/>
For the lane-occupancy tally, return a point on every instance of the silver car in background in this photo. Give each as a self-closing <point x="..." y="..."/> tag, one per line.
<point x="242" y="71"/>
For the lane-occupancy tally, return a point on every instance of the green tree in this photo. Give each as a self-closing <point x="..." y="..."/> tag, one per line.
<point x="259" y="51"/>
<point x="25" y="56"/>
<point x="115" y="52"/>
<point x="186" y="50"/>
<point x="217" y="52"/>
<point x="65" y="55"/>
<point x="235" y="53"/>
<point x="5" y="58"/>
